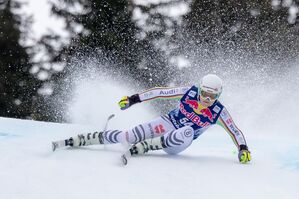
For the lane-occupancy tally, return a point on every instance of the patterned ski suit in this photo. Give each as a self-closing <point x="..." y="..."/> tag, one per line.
<point x="180" y="126"/>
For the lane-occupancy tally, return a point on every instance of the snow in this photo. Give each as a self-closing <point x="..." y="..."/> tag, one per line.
<point x="43" y="19"/>
<point x="287" y="3"/>
<point x="175" y="11"/>
<point x="293" y="14"/>
<point x="43" y="75"/>
<point x="149" y="2"/>
<point x="207" y="169"/>
<point x="180" y="61"/>
<point x="275" y="3"/>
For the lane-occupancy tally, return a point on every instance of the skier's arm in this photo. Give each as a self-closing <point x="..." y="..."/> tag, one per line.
<point x="163" y="93"/>
<point x="151" y="94"/>
<point x="226" y="121"/>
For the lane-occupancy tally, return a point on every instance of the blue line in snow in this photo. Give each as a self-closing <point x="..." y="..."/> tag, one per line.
<point x="6" y="135"/>
<point x="291" y="159"/>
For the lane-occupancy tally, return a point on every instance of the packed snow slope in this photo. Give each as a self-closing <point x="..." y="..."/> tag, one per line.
<point x="209" y="168"/>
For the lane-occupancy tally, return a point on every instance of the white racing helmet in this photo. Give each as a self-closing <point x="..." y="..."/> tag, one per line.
<point x="211" y="84"/>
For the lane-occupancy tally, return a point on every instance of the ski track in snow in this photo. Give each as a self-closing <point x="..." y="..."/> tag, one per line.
<point x="207" y="169"/>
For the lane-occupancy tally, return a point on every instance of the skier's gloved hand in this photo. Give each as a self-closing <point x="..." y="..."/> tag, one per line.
<point x="126" y="101"/>
<point x="244" y="154"/>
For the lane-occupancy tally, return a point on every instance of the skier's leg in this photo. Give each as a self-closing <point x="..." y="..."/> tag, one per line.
<point x="88" y="139"/>
<point x="177" y="141"/>
<point x="154" y="128"/>
<point x="172" y="142"/>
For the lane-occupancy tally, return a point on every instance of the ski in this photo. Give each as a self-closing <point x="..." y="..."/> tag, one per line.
<point x="106" y="126"/>
<point x="107" y="121"/>
<point x="58" y="144"/>
<point x="126" y="153"/>
<point x="125" y="157"/>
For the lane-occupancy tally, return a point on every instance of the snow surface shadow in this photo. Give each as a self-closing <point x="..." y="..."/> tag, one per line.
<point x="96" y="149"/>
<point x="191" y="158"/>
<point x="92" y="150"/>
<point x="179" y="157"/>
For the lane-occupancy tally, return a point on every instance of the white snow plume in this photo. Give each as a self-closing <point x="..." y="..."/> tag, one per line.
<point x="95" y="100"/>
<point x="261" y="94"/>
<point x="95" y="95"/>
<point x="264" y="99"/>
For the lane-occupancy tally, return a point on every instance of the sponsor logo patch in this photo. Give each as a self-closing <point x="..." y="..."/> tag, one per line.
<point x="229" y="121"/>
<point x="234" y="130"/>
<point x="159" y="129"/>
<point x="195" y="118"/>
<point x="188" y="132"/>
<point x="224" y="114"/>
<point x="149" y="94"/>
<point x="216" y="109"/>
<point x="168" y="92"/>
<point x="192" y="93"/>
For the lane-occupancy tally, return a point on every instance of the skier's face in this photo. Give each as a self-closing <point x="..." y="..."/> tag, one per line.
<point x="206" y="100"/>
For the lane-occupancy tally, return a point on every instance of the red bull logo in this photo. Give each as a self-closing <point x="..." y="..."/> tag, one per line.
<point x="207" y="113"/>
<point x="194" y="104"/>
<point x="193" y="117"/>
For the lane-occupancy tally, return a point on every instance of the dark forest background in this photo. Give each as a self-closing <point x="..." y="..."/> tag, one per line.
<point x="144" y="49"/>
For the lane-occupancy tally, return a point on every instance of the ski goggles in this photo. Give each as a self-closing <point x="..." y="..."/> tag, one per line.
<point x="211" y="96"/>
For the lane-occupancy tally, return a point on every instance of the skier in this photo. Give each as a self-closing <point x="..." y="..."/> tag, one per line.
<point x="199" y="108"/>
